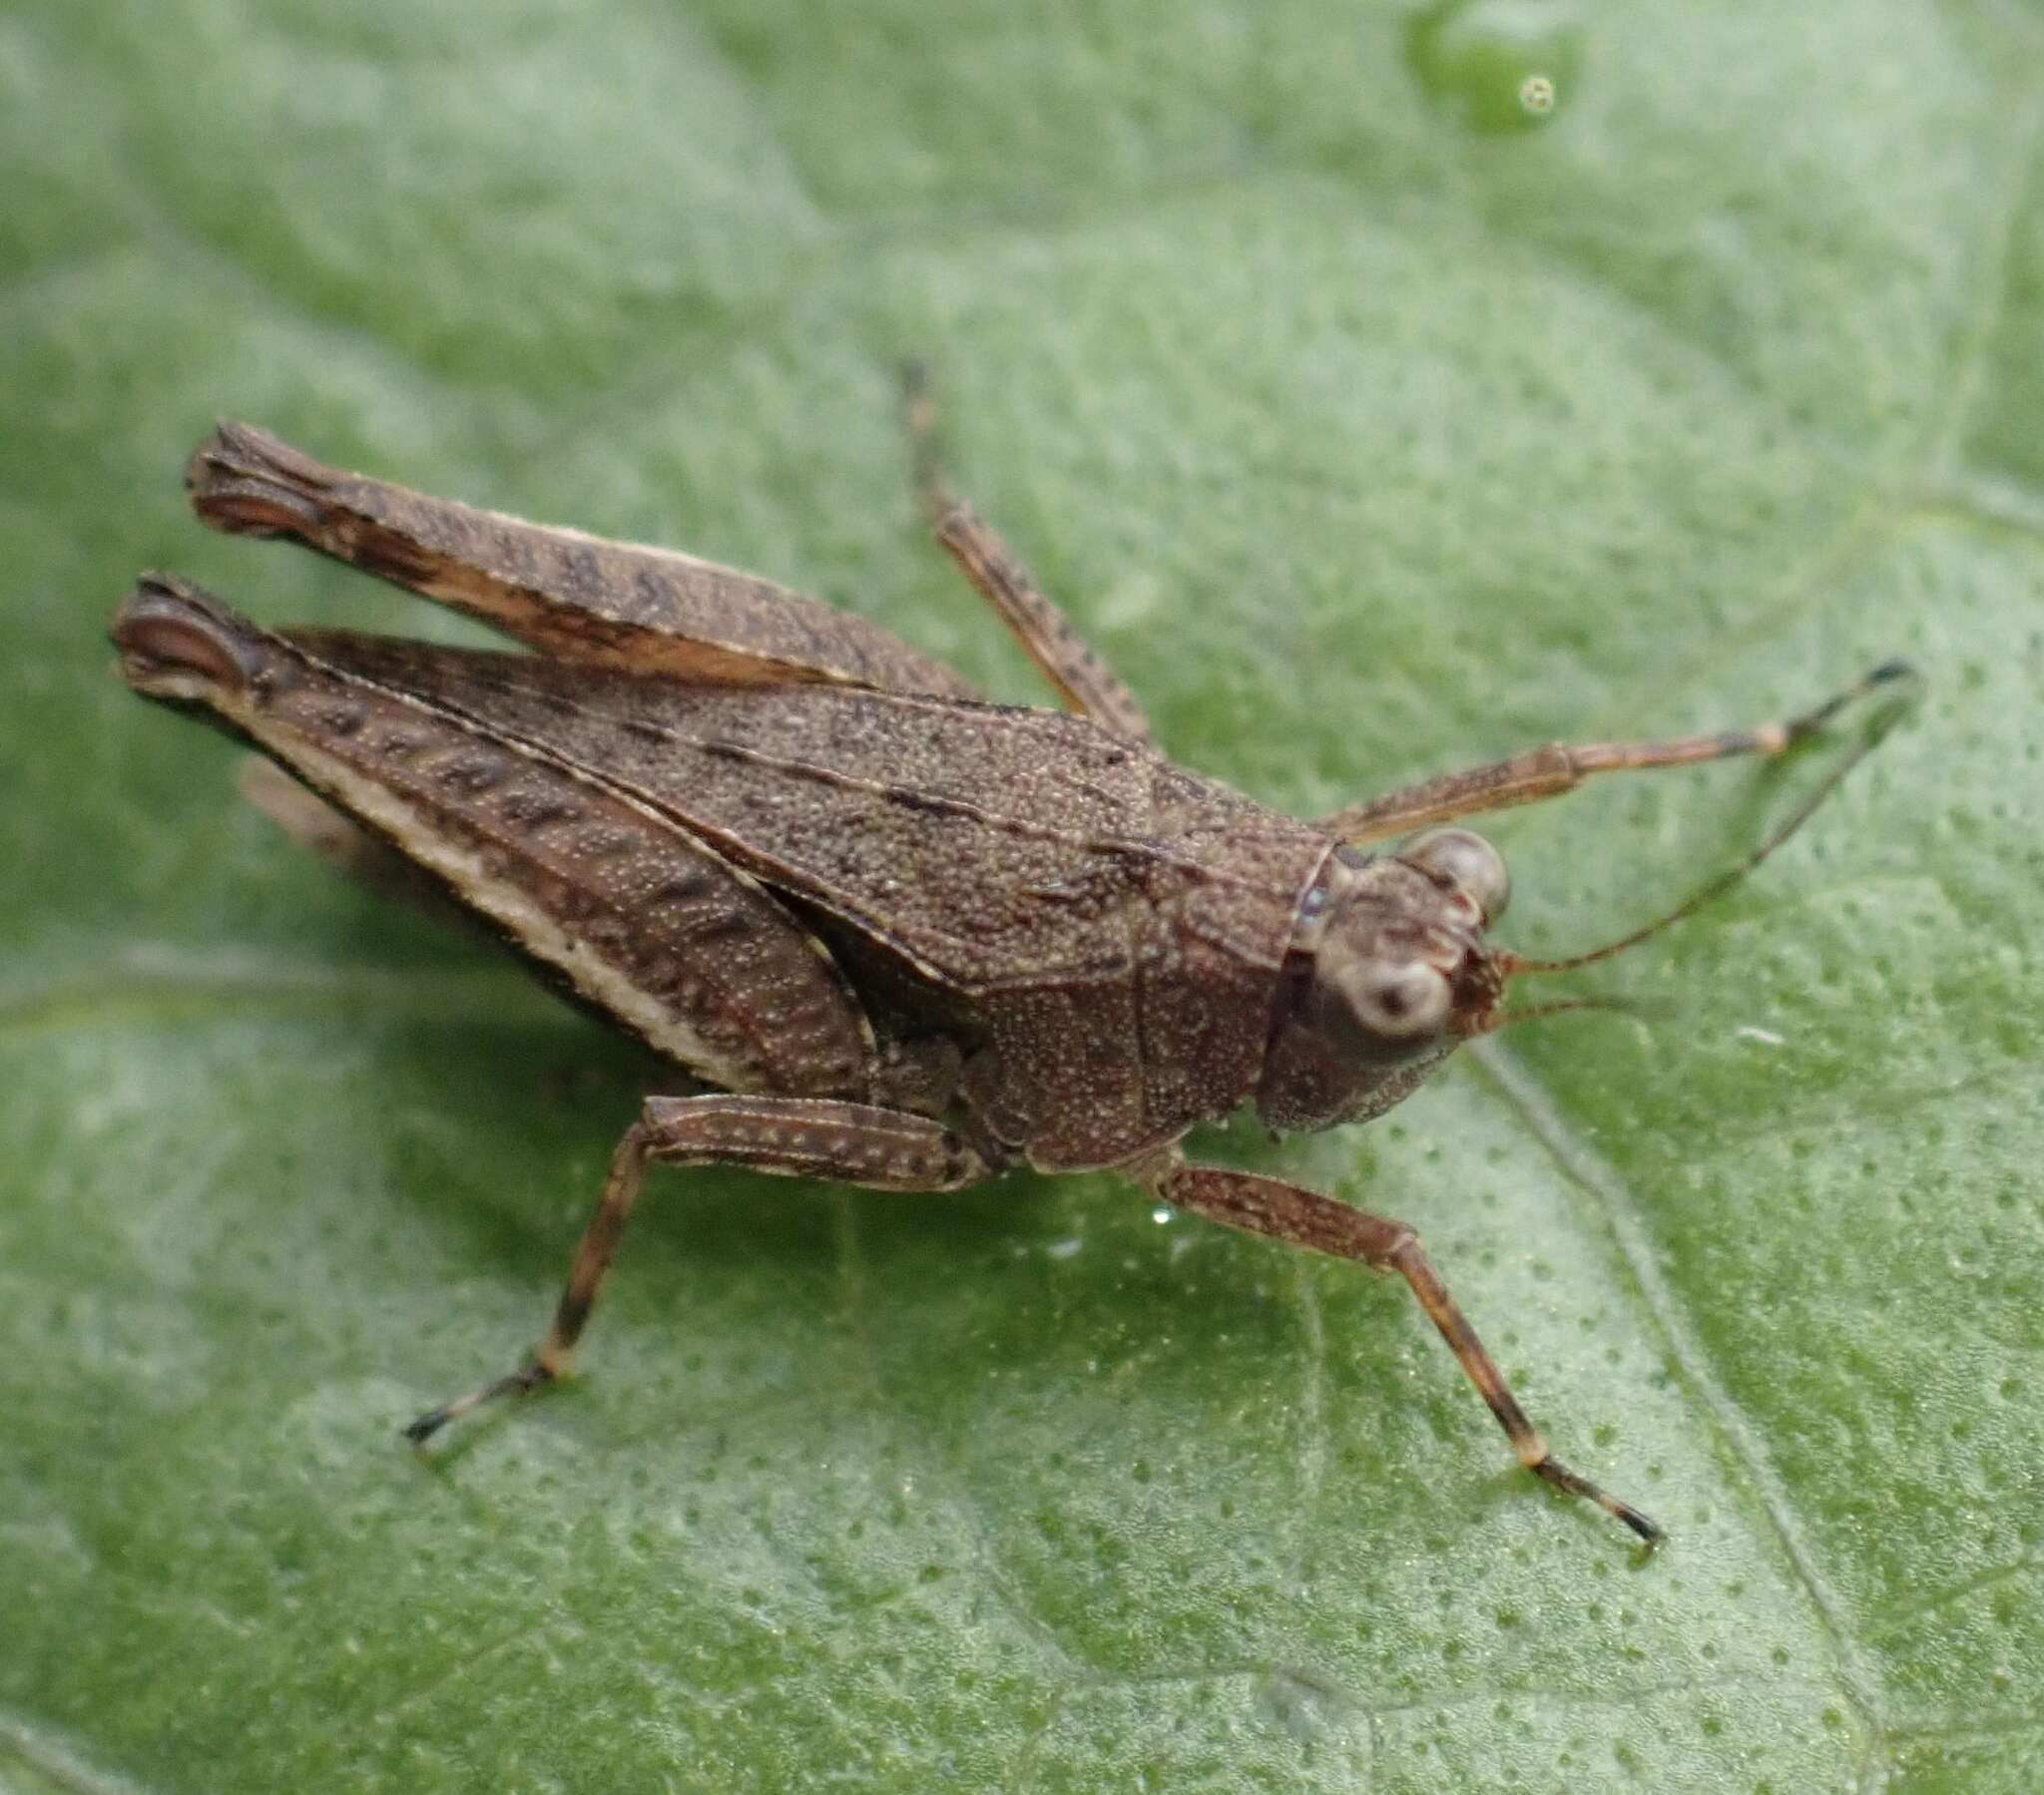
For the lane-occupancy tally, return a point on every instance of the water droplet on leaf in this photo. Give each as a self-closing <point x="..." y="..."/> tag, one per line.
<point x="1497" y="65"/>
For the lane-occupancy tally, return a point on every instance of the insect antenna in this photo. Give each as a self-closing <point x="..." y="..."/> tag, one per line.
<point x="1498" y="1019"/>
<point x="1888" y="673"/>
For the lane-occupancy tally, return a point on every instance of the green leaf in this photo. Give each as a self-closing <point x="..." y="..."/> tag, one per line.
<point x="1371" y="429"/>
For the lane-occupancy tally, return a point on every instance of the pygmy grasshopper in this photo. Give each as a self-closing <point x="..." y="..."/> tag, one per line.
<point x="907" y="938"/>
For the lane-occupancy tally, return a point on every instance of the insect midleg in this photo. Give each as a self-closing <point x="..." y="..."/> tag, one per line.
<point x="1547" y="772"/>
<point x="1083" y="680"/>
<point x="1303" y="1218"/>
<point x="852" y="1144"/>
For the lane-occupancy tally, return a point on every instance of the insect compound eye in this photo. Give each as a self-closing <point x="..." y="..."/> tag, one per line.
<point x="1399" y="1002"/>
<point x="1467" y="861"/>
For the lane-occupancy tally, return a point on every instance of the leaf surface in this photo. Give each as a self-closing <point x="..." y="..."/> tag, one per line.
<point x="1371" y="428"/>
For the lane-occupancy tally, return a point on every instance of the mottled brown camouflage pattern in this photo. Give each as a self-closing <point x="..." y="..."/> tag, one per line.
<point x="575" y="596"/>
<point x="912" y="937"/>
<point x="1101" y="921"/>
<point x="631" y="911"/>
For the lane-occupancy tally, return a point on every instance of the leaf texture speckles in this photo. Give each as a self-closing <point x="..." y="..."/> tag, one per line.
<point x="1366" y="443"/>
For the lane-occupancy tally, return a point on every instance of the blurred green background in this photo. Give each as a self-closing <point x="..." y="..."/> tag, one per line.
<point x="1372" y="426"/>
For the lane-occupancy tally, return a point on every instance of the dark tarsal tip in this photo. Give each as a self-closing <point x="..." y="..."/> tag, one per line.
<point x="1645" y="1526"/>
<point x="419" y="1432"/>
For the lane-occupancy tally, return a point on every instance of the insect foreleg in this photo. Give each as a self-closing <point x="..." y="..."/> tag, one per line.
<point x="1083" y="680"/>
<point x="852" y="1144"/>
<point x="1547" y="772"/>
<point x="1302" y="1217"/>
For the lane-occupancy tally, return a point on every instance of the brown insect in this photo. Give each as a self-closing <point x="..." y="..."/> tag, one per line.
<point x="909" y="939"/>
